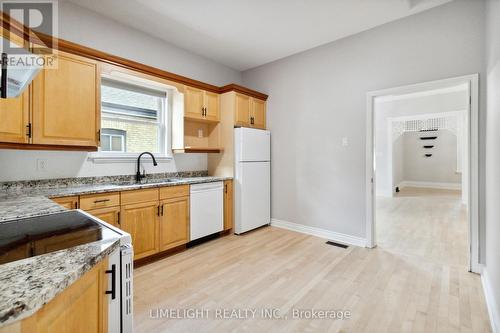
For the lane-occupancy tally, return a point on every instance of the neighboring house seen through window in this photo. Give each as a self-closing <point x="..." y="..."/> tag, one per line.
<point x="133" y="118"/>
<point x="113" y="140"/>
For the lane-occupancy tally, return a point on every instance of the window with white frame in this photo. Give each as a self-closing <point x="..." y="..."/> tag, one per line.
<point x="133" y="119"/>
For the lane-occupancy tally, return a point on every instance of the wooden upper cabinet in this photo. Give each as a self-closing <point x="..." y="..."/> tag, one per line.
<point x="66" y="103"/>
<point x="201" y="104"/>
<point x="193" y="102"/>
<point x="174" y="222"/>
<point x="258" y="113"/>
<point x="242" y="110"/>
<point x="211" y="104"/>
<point x="14" y="119"/>
<point x="141" y="222"/>
<point x="249" y="111"/>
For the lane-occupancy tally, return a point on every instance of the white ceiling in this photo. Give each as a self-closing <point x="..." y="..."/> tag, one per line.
<point x="243" y="34"/>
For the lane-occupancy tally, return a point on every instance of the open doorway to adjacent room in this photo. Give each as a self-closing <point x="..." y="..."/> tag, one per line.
<point x="423" y="171"/>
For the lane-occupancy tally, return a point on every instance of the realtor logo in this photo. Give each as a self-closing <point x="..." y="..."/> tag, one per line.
<point x="40" y="17"/>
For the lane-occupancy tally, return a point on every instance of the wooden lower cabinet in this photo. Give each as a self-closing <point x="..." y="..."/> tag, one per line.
<point x="228" y="205"/>
<point x="67" y="202"/>
<point x="82" y="307"/>
<point x="109" y="215"/>
<point x="141" y="222"/>
<point x="174" y="222"/>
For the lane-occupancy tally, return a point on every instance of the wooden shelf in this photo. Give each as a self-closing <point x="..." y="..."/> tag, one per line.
<point x="192" y="150"/>
<point x="200" y="120"/>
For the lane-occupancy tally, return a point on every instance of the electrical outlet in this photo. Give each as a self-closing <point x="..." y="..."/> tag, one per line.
<point x="345" y="142"/>
<point x="200" y="133"/>
<point x="41" y="165"/>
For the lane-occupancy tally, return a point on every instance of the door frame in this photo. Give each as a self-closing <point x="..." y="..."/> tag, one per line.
<point x="473" y="163"/>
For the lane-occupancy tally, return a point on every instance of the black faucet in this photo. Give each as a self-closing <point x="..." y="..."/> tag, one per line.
<point x="138" y="175"/>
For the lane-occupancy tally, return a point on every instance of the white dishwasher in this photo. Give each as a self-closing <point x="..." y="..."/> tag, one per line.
<point x="207" y="211"/>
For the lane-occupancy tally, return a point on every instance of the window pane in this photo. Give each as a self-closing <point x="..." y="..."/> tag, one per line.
<point x="127" y="97"/>
<point x="105" y="142"/>
<point x="116" y="143"/>
<point x="132" y="117"/>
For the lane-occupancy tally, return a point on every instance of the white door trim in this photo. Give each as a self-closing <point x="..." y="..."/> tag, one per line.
<point x="473" y="144"/>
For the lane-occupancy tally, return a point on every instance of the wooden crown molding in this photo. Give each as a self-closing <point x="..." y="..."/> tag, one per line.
<point x="66" y="46"/>
<point x="243" y="90"/>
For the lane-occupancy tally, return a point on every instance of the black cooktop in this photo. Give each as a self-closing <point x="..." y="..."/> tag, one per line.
<point x="48" y="233"/>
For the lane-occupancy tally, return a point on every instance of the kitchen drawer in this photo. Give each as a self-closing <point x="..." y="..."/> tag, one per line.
<point x="67" y="202"/>
<point x="169" y="192"/>
<point x="94" y="201"/>
<point x="137" y="196"/>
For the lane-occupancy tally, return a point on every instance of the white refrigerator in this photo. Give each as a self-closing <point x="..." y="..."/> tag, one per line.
<point x="252" y="179"/>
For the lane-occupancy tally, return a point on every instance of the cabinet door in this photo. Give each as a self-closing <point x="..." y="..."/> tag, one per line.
<point x="212" y="106"/>
<point x="67" y="202"/>
<point x="79" y="308"/>
<point x="193" y="102"/>
<point x="242" y="110"/>
<point x="228" y="204"/>
<point x="141" y="222"/>
<point x="14" y="118"/>
<point x="66" y="103"/>
<point x="108" y="215"/>
<point x="258" y="114"/>
<point x="174" y="223"/>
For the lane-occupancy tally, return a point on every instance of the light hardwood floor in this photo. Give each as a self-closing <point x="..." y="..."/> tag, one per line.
<point x="397" y="289"/>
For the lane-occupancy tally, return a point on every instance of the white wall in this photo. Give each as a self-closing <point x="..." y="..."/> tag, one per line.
<point x="492" y="270"/>
<point x="82" y="26"/>
<point x="319" y="96"/>
<point x="441" y="167"/>
<point x="397" y="162"/>
<point x="85" y="27"/>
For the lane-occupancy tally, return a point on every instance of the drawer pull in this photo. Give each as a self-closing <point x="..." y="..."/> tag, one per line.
<point x="102" y="200"/>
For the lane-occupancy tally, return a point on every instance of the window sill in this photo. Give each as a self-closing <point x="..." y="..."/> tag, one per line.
<point x="103" y="158"/>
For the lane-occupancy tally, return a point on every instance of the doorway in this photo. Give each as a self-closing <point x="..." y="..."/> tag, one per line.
<point x="422" y="170"/>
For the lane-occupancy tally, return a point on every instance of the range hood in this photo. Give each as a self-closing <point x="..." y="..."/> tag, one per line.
<point x="18" y="70"/>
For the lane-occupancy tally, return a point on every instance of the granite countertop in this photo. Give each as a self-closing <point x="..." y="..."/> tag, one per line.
<point x="26" y="285"/>
<point x="30" y="201"/>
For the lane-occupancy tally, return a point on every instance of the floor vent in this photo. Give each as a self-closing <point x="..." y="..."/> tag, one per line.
<point x="337" y="244"/>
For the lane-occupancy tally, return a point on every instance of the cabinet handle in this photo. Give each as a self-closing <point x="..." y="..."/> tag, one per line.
<point x="118" y="218"/>
<point x="252" y="120"/>
<point x="162" y="210"/>
<point x="225" y="188"/>
<point x="112" y="271"/>
<point x="158" y="210"/>
<point x="102" y="200"/>
<point x="28" y="130"/>
<point x="76" y="204"/>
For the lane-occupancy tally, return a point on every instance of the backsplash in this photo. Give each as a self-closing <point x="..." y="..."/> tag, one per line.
<point x="67" y="182"/>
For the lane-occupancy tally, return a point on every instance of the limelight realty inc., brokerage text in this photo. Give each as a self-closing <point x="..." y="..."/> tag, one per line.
<point x="248" y="313"/>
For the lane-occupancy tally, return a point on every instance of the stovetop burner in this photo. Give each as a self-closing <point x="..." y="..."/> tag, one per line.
<point x="48" y="233"/>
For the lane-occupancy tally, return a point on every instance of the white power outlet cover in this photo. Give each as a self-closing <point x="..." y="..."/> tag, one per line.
<point x="345" y="142"/>
<point x="41" y="165"/>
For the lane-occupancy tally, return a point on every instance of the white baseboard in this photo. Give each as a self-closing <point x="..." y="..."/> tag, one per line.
<point x="491" y="303"/>
<point x="318" y="232"/>
<point x="438" y="185"/>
